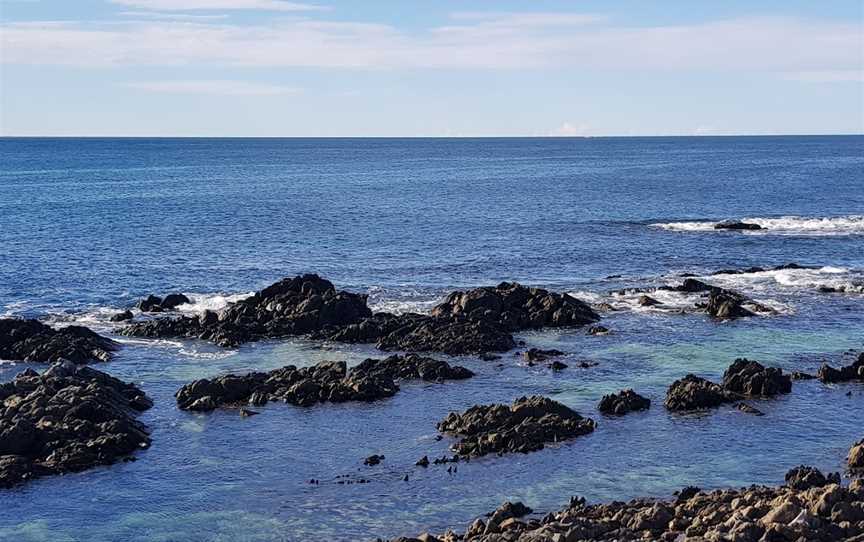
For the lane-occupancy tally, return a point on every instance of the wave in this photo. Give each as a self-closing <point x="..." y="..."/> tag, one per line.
<point x="210" y="302"/>
<point x="823" y="279"/>
<point x="785" y="225"/>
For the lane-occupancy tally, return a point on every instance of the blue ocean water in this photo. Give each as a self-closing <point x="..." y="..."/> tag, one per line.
<point x="88" y="226"/>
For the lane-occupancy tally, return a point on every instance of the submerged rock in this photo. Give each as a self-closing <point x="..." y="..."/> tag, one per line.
<point x="70" y="418"/>
<point x="31" y="340"/>
<point x="855" y="371"/>
<point x="537" y="355"/>
<point x="525" y="426"/>
<point x="623" y="402"/>
<point x="825" y="512"/>
<point x="328" y="381"/>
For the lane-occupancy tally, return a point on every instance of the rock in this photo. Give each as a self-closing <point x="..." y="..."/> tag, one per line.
<point x="747" y="409"/>
<point x="647" y="301"/>
<point x="30" y="340"/>
<point x="803" y="477"/>
<point x="422" y="462"/>
<point x="151" y="303"/>
<point x="172" y="301"/>
<point x="70" y="418"/>
<point x="508" y="511"/>
<point x="751" y="378"/>
<point x="537" y="355"/>
<point x="525" y="426"/>
<point x="754" y="514"/>
<point x="856" y="458"/>
<point x="557" y="366"/>
<point x="122" y="316"/>
<point x="734" y="225"/>
<point x="246" y="413"/>
<point x="373" y="460"/>
<point x="623" y="402"/>
<point x="598" y="330"/>
<point x="855" y="371"/>
<point x="695" y="393"/>
<point x="328" y="381"/>
<point x="725" y="304"/>
<point x="798" y="375"/>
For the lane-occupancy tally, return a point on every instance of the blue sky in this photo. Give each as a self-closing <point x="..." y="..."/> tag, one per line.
<point x="443" y="68"/>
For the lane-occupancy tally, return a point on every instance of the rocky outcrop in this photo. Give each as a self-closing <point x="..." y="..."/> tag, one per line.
<point x="69" y="418"/>
<point x="154" y="303"/>
<point x="736" y="225"/>
<point x="856" y="458"/>
<point x="30" y="340"/>
<point x="124" y="316"/>
<point x="696" y="393"/>
<point x="804" y="477"/>
<point x="623" y="402"/>
<point x="328" y="381"/>
<point x="751" y="379"/>
<point x="515" y="307"/>
<point x="855" y="371"/>
<point x="525" y="426"/>
<point x="536" y="355"/>
<point x="292" y="306"/>
<point x="743" y="379"/>
<point x="826" y="512"/>
<point x="725" y="304"/>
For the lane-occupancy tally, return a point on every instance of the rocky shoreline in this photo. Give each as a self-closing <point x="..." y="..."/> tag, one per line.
<point x="809" y="507"/>
<point x="68" y="419"/>
<point x="33" y="341"/>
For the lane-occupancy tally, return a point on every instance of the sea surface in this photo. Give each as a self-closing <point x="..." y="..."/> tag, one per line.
<point x="89" y="226"/>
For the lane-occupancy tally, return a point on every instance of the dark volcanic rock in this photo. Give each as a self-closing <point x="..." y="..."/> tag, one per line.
<point x="623" y="402"/>
<point x="292" y="306"/>
<point x="856" y="458"/>
<point x="751" y="378"/>
<point x="648" y="301"/>
<point x="803" y="477"/>
<point x="855" y="371"/>
<point x="726" y="304"/>
<point x="373" y="460"/>
<point x="122" y="316"/>
<point x="172" y="301"/>
<point x="69" y="418"/>
<point x="734" y="225"/>
<point x="598" y="330"/>
<point x="327" y="381"/>
<point x="755" y="514"/>
<point x="525" y="426"/>
<point x="151" y="303"/>
<point x="695" y="393"/>
<point x="537" y="355"/>
<point x="516" y="307"/>
<point x="30" y="340"/>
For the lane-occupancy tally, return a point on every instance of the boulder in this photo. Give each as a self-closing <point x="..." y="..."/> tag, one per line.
<point x="68" y="419"/>
<point x="537" y="355"/>
<point x="623" y="402"/>
<point x="525" y="426"/>
<point x="696" y="393"/>
<point x="725" y="304"/>
<point x="856" y="458"/>
<point x="751" y="378"/>
<point x="30" y="340"/>
<point x="804" y="477"/>
<point x="736" y="225"/>
<point x="124" y="316"/>
<point x="855" y="371"/>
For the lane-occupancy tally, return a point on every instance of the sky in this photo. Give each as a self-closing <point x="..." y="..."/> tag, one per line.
<point x="443" y="68"/>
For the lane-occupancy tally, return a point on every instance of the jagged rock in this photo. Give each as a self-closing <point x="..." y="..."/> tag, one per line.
<point x="648" y="301"/>
<point x="754" y="514"/>
<point x="525" y="426"/>
<point x="855" y="371"/>
<point x="538" y="355"/>
<point x="30" y="340"/>
<point x="598" y="330"/>
<point x="516" y="307"/>
<point x="856" y="458"/>
<point x="151" y="303"/>
<point x="373" y="460"/>
<point x="804" y="477"/>
<point x="70" y="418"/>
<point x="736" y="225"/>
<point x="725" y="304"/>
<point x="751" y="378"/>
<point x="695" y="393"/>
<point x="623" y="402"/>
<point x="172" y="301"/>
<point x="328" y="381"/>
<point x="122" y="316"/>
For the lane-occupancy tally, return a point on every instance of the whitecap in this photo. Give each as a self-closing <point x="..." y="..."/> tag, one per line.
<point x="785" y="225"/>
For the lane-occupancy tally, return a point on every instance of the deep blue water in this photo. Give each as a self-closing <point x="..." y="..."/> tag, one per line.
<point x="87" y="226"/>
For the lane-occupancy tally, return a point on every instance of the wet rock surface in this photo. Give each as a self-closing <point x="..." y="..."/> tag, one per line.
<point x="814" y="512"/>
<point x="623" y="402"/>
<point x="856" y="458"/>
<point x="328" y="381"/>
<point x="473" y="322"/>
<point x="525" y="426"/>
<point x="68" y="419"/>
<point x="855" y="371"/>
<point x="736" y="225"/>
<point x="31" y="340"/>
<point x="743" y="379"/>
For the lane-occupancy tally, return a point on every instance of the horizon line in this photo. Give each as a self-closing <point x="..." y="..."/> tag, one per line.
<point x="695" y="136"/>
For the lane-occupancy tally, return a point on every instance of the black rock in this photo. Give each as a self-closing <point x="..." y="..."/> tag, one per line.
<point x="733" y="225"/>
<point x="855" y="371"/>
<point x="537" y="355"/>
<point x="623" y="402"/>
<point x="803" y="478"/>
<point x="151" y="303"/>
<point x="373" y="460"/>
<point x="30" y="340"/>
<point x="751" y="378"/>
<point x="172" y="301"/>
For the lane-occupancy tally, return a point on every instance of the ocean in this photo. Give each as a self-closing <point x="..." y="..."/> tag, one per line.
<point x="89" y="226"/>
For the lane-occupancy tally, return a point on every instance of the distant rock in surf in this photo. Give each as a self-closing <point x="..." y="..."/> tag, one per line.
<point x="830" y="375"/>
<point x="68" y="419"/>
<point x="736" y="225"/>
<point x="170" y="302"/>
<point x="31" y="340"/>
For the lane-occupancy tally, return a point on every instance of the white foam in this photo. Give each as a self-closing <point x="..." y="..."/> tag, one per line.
<point x="785" y="225"/>
<point x="837" y="278"/>
<point x="210" y="302"/>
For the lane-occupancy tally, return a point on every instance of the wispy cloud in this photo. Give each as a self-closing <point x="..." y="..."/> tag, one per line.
<point x="173" y="16"/>
<point x="189" y="5"/>
<point x="217" y="87"/>
<point x="566" y="41"/>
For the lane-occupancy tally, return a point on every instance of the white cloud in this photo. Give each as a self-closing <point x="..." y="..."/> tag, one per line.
<point x="175" y="16"/>
<point x="778" y="45"/>
<point x="219" y="87"/>
<point x="568" y="129"/>
<point x="188" y="5"/>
